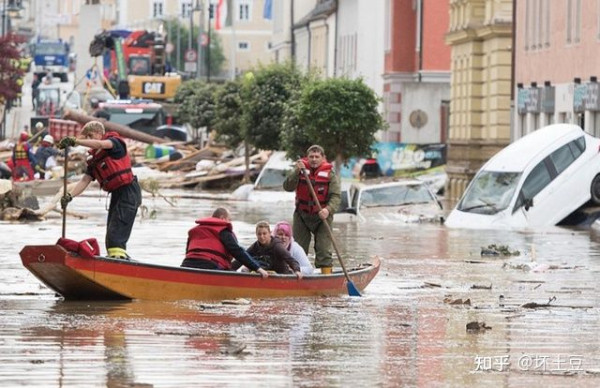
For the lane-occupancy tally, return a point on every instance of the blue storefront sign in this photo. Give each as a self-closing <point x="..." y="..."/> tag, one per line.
<point x="401" y="159"/>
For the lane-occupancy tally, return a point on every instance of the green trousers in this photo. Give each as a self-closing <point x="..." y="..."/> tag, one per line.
<point x="306" y="225"/>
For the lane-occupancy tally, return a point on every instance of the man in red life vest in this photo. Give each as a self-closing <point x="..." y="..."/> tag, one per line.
<point x="212" y="245"/>
<point x="110" y="165"/>
<point x="23" y="159"/>
<point x="308" y="220"/>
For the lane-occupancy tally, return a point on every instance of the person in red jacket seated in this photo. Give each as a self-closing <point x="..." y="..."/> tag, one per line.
<point x="212" y="245"/>
<point x="110" y="165"/>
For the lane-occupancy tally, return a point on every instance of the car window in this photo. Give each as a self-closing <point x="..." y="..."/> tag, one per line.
<point x="271" y="178"/>
<point x="562" y="158"/>
<point x="535" y="182"/>
<point x="490" y="192"/>
<point x="344" y="202"/>
<point x="577" y="146"/>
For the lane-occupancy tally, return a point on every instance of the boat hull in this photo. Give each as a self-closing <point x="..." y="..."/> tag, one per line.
<point x="77" y="278"/>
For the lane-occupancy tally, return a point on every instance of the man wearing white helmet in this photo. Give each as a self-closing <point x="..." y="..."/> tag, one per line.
<point x="46" y="157"/>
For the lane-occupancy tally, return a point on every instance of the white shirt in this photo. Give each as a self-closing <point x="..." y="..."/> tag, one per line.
<point x="298" y="253"/>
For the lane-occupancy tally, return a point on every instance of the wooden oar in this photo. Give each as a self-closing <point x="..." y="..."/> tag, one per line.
<point x="64" y="210"/>
<point x="352" y="290"/>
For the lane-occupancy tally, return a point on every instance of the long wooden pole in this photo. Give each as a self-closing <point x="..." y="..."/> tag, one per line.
<point x="352" y="290"/>
<point x="64" y="209"/>
<point x="110" y="126"/>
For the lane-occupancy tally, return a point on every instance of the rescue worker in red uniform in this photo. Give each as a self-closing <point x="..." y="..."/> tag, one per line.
<point x="370" y="169"/>
<point x="212" y="245"/>
<point x="308" y="220"/>
<point x="23" y="159"/>
<point x="110" y="165"/>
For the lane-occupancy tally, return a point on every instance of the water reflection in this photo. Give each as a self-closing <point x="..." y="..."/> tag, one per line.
<point x="402" y="332"/>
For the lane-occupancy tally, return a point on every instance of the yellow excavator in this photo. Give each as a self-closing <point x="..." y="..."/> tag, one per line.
<point x="136" y="62"/>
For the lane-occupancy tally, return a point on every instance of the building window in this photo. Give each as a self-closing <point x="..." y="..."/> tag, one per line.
<point x="387" y="28"/>
<point x="577" y="22"/>
<point x="537" y="24"/>
<point x="244" y="10"/>
<point x="243" y="46"/>
<point x="186" y="9"/>
<point x="573" y="21"/>
<point x="158" y="7"/>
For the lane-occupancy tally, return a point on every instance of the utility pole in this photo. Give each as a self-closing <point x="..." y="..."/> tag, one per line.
<point x="211" y="15"/>
<point x="191" y="29"/>
<point x="200" y="8"/>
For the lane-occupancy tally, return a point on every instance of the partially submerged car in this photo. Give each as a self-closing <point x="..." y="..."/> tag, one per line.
<point x="268" y="186"/>
<point x="537" y="181"/>
<point x="404" y="201"/>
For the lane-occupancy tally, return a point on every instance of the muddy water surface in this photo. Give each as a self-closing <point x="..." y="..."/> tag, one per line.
<point x="409" y="328"/>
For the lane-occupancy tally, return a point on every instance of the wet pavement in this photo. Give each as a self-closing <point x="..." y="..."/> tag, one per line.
<point x="408" y="329"/>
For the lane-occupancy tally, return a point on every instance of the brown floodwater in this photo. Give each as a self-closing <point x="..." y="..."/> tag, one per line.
<point x="408" y="329"/>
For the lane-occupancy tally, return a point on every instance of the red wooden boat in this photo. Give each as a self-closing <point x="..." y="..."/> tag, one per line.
<point x="101" y="278"/>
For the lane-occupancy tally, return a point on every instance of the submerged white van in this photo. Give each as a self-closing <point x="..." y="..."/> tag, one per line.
<point x="536" y="181"/>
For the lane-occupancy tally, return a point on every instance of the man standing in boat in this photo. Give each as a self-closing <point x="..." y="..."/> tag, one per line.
<point x="212" y="245"/>
<point x="110" y="165"/>
<point x="308" y="220"/>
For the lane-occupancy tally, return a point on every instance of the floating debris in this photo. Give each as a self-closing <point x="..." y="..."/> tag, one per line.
<point x="475" y="327"/>
<point x="466" y="302"/>
<point x="481" y="287"/>
<point x="498" y="250"/>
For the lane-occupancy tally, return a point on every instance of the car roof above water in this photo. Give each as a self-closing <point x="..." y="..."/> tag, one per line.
<point x="533" y="147"/>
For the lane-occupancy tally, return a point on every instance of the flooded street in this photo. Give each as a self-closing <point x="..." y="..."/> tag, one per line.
<point x="408" y="329"/>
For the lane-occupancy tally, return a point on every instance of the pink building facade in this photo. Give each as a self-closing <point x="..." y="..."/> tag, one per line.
<point x="557" y="65"/>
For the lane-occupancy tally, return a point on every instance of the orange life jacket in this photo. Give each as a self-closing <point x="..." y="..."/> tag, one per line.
<point x="319" y="178"/>
<point x="109" y="172"/>
<point x="204" y="242"/>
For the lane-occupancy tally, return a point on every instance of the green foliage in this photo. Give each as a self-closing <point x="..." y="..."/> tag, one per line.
<point x="10" y="67"/>
<point x="228" y="124"/>
<point x="339" y="114"/>
<point x="179" y="34"/>
<point x="217" y="58"/>
<point x="195" y="103"/>
<point x="264" y="97"/>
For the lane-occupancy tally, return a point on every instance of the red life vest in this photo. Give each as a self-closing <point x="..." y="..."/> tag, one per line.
<point x="204" y="242"/>
<point x="109" y="172"/>
<point x="21" y="166"/>
<point x="319" y="178"/>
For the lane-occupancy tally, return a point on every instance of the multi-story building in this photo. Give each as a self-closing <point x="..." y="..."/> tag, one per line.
<point x="556" y="66"/>
<point x="416" y="78"/>
<point x="480" y="36"/>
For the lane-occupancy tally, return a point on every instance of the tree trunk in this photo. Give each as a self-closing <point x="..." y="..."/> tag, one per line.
<point x="246" y="161"/>
<point x="338" y="165"/>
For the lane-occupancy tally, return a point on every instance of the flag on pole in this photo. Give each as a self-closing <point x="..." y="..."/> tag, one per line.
<point x="222" y="17"/>
<point x="268" y="9"/>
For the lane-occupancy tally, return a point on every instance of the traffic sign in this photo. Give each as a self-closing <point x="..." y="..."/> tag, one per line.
<point x="204" y="40"/>
<point x="191" y="55"/>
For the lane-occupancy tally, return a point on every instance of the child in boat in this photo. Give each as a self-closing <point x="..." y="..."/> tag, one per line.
<point x="283" y="231"/>
<point x="270" y="252"/>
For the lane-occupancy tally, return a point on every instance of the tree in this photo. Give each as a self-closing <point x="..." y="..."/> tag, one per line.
<point x="339" y="114"/>
<point x="195" y="101"/>
<point x="179" y="34"/>
<point x="10" y="68"/>
<point x="228" y="122"/>
<point x="217" y="58"/>
<point x="264" y="102"/>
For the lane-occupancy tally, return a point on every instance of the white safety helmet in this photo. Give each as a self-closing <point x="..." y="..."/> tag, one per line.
<point x="48" y="139"/>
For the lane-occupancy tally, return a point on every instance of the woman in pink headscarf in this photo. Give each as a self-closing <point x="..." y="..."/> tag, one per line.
<point x="283" y="231"/>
